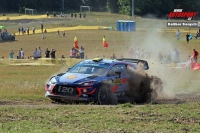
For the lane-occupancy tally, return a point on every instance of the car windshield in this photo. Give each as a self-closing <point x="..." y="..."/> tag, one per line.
<point x="90" y="68"/>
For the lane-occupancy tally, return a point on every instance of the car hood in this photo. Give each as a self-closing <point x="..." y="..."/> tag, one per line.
<point x="74" y="77"/>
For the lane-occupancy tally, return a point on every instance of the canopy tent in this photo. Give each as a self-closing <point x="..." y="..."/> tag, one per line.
<point x="2" y="27"/>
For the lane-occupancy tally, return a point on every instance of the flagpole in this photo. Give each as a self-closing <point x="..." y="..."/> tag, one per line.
<point x="106" y="52"/>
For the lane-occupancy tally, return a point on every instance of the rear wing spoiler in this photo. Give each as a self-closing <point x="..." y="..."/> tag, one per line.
<point x="136" y="61"/>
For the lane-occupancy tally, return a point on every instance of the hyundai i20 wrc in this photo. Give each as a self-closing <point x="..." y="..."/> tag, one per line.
<point x="93" y="80"/>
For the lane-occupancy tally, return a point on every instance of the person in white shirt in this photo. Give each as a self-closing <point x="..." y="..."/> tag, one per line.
<point x="43" y="36"/>
<point x="81" y="51"/>
<point x="35" y="54"/>
<point x="22" y="53"/>
<point x="33" y="29"/>
<point x="39" y="53"/>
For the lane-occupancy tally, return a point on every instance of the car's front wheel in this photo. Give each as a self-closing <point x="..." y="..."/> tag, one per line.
<point x="103" y="94"/>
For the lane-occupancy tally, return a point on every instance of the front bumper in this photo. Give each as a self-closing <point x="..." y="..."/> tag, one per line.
<point x="69" y="98"/>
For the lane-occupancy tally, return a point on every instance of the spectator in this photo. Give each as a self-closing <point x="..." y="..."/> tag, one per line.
<point x="54" y="13"/>
<point x="53" y="53"/>
<point x="62" y="56"/>
<point x="84" y="15"/>
<point x="19" y="54"/>
<point x="72" y="15"/>
<point x="113" y="57"/>
<point x="11" y="55"/>
<point x="39" y="53"/>
<point x="42" y="26"/>
<point x="195" y="55"/>
<point x="187" y="38"/>
<point x="33" y="29"/>
<point x="178" y="33"/>
<point x="19" y="30"/>
<point x="75" y="15"/>
<point x="45" y="31"/>
<point x="47" y="52"/>
<point x="72" y="53"/>
<point x="22" y="31"/>
<point x="197" y="34"/>
<point x="165" y="61"/>
<point x="27" y="29"/>
<point x="47" y="14"/>
<point x="43" y="36"/>
<point x="22" y="53"/>
<point x="169" y="57"/>
<point x="35" y="54"/>
<point x="81" y="51"/>
<point x="176" y="56"/>
<point x="58" y="33"/>
<point x="80" y="15"/>
<point x="64" y="34"/>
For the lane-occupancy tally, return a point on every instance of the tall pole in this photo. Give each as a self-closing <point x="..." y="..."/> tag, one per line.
<point x="63" y="5"/>
<point x="132" y="8"/>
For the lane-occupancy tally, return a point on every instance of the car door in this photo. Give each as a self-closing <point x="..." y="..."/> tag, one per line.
<point x="117" y="76"/>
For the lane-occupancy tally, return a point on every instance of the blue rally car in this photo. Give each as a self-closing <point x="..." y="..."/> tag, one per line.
<point x="93" y="80"/>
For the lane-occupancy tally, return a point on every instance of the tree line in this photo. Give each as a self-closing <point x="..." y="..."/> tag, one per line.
<point x="158" y="8"/>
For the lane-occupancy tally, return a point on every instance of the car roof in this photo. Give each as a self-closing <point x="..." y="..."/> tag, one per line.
<point x="110" y="61"/>
<point x="116" y="61"/>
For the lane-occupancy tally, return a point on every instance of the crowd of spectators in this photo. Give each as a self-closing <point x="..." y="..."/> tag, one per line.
<point x="37" y="53"/>
<point x="77" y="53"/>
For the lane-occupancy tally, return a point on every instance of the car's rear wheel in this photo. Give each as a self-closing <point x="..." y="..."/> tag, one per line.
<point x="102" y="95"/>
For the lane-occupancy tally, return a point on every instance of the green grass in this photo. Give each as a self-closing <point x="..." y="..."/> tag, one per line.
<point x="25" y="82"/>
<point x="83" y="118"/>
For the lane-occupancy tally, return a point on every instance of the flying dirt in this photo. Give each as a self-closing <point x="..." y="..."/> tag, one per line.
<point x="143" y="88"/>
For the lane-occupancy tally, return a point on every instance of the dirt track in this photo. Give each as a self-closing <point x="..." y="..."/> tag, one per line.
<point x="180" y="98"/>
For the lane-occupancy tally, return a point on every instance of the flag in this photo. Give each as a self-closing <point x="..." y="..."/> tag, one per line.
<point x="76" y="43"/>
<point x="105" y="44"/>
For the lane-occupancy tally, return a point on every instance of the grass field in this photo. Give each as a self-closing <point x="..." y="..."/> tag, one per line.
<point x="23" y="107"/>
<point x="101" y="119"/>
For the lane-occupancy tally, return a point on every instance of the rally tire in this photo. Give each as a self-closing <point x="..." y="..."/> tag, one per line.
<point x="103" y="95"/>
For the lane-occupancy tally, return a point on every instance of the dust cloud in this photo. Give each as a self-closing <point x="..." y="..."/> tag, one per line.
<point x="144" y="88"/>
<point x="160" y="81"/>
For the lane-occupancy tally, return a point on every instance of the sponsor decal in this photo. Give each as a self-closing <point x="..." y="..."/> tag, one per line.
<point x="117" y="81"/>
<point x="183" y="24"/>
<point x="84" y="90"/>
<point x="71" y="77"/>
<point x="178" y="13"/>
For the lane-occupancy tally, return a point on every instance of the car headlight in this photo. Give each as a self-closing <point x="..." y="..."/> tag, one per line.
<point x="53" y="80"/>
<point x="87" y="83"/>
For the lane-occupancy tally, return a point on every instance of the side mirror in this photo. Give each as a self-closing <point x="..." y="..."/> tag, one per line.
<point x="119" y="73"/>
